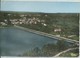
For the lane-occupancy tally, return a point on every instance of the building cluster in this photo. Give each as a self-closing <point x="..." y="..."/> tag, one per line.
<point x="24" y="20"/>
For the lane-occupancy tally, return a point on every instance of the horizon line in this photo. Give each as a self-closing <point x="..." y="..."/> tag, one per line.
<point x="37" y="11"/>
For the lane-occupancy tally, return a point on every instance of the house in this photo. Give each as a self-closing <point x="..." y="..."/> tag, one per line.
<point x="57" y="30"/>
<point x="5" y="20"/>
<point x="20" y="22"/>
<point x="44" y="24"/>
<point x="2" y="23"/>
<point x="38" y="20"/>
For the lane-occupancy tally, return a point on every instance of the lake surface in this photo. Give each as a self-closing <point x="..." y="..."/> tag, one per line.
<point x="15" y="41"/>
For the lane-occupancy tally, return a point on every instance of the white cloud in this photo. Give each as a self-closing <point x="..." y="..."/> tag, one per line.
<point x="47" y="0"/>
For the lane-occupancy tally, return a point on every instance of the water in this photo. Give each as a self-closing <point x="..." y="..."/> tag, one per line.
<point x="15" y="41"/>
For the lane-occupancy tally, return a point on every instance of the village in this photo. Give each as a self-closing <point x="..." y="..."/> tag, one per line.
<point x="23" y="20"/>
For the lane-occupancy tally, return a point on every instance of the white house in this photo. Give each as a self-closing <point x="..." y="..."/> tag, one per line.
<point x="57" y="30"/>
<point x="2" y="23"/>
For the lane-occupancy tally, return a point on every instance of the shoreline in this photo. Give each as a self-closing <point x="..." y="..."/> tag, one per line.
<point x="48" y="35"/>
<point x="44" y="34"/>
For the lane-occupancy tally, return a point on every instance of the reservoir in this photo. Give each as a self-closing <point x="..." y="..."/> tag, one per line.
<point x="16" y="41"/>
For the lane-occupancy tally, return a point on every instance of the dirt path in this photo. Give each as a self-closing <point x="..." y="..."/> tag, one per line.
<point x="70" y="49"/>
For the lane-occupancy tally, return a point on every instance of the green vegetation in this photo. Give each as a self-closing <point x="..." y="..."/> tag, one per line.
<point x="74" y="53"/>
<point x="68" y="23"/>
<point x="48" y="49"/>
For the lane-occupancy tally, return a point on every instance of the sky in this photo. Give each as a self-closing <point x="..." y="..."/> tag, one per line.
<point x="47" y="0"/>
<point x="39" y="6"/>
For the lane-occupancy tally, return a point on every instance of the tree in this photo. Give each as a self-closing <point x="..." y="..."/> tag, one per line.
<point x="61" y="45"/>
